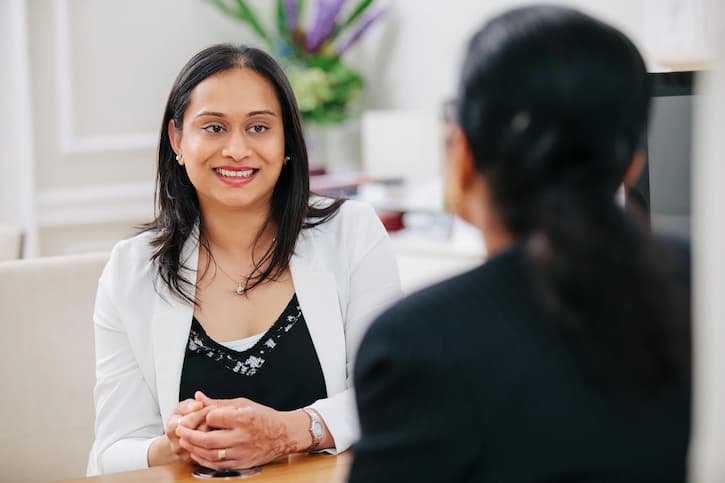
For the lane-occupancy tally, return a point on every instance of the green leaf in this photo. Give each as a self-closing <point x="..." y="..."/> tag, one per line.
<point x="226" y="10"/>
<point x="300" y="11"/>
<point x="282" y="21"/>
<point x="247" y="14"/>
<point x="359" y="9"/>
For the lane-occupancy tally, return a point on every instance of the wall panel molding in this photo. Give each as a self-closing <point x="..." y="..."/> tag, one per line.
<point x="17" y="161"/>
<point x="72" y="143"/>
<point x="96" y="204"/>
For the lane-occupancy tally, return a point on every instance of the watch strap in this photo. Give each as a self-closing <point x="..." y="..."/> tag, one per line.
<point x="316" y="428"/>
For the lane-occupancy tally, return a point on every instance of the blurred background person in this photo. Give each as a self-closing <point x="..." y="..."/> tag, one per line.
<point x="566" y="356"/>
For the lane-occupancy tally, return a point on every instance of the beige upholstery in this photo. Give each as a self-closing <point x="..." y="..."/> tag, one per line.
<point x="11" y="239"/>
<point x="48" y="366"/>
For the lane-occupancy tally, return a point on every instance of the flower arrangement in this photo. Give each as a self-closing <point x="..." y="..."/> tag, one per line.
<point x="312" y="57"/>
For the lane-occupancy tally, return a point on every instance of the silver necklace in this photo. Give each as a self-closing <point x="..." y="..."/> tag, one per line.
<point x="240" y="287"/>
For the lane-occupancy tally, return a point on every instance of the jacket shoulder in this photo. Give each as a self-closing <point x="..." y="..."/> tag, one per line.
<point x="478" y="300"/>
<point x="130" y="263"/>
<point x="352" y="231"/>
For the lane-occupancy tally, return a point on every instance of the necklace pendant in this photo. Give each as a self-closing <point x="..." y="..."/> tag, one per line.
<point x="239" y="290"/>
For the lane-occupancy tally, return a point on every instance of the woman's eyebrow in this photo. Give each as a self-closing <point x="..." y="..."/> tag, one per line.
<point x="262" y="112"/>
<point x="211" y="113"/>
<point x="249" y="114"/>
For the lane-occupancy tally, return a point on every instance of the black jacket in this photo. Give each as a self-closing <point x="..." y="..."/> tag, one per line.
<point x="469" y="380"/>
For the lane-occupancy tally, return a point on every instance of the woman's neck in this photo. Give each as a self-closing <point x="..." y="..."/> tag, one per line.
<point x="233" y="233"/>
<point x="478" y="209"/>
<point x="496" y="239"/>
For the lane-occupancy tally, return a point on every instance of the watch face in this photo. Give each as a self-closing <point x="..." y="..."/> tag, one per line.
<point x="317" y="429"/>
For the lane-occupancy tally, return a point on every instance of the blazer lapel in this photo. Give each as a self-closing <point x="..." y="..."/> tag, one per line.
<point x="170" y="332"/>
<point x="317" y="293"/>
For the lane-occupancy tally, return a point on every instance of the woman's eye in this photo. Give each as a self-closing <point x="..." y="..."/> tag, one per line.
<point x="258" y="129"/>
<point x="214" y="128"/>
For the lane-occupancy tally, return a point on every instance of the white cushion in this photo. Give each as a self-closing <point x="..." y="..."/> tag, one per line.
<point x="10" y="241"/>
<point x="48" y="366"/>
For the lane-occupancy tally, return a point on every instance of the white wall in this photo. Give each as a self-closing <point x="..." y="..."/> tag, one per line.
<point x="419" y="53"/>
<point x="8" y="80"/>
<point x="707" y="461"/>
<point x="16" y="166"/>
<point x="98" y="73"/>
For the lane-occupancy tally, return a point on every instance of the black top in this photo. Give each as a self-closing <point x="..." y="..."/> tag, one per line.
<point x="281" y="370"/>
<point x="469" y="381"/>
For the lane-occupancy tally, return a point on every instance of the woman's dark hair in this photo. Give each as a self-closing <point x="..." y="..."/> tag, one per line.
<point x="177" y="204"/>
<point x="554" y="106"/>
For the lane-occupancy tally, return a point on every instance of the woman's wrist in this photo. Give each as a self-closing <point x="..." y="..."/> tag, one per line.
<point x="159" y="452"/>
<point x="298" y="433"/>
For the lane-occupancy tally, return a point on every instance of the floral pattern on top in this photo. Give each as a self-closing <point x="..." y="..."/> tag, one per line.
<point x="249" y="362"/>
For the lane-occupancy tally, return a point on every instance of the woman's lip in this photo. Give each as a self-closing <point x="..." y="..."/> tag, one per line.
<point x="236" y="180"/>
<point x="234" y="168"/>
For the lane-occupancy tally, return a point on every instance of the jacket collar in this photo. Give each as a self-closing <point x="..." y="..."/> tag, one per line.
<point x="170" y="331"/>
<point x="317" y="293"/>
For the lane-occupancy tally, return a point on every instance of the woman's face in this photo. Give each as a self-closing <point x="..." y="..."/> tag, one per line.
<point x="232" y="140"/>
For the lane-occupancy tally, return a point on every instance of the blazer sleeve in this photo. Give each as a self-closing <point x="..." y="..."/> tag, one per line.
<point x="374" y="284"/>
<point x="127" y="414"/>
<point x="415" y="411"/>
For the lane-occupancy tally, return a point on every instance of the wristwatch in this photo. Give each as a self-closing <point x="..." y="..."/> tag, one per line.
<point x="317" y="430"/>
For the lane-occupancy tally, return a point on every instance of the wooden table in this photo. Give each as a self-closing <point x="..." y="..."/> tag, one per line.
<point x="301" y="468"/>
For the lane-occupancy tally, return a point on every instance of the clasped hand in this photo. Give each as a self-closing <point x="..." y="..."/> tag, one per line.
<point x="228" y="433"/>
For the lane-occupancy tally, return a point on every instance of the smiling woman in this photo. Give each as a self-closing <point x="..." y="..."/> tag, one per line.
<point x="225" y="330"/>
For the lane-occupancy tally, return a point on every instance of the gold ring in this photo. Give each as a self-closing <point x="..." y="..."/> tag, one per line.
<point x="221" y="454"/>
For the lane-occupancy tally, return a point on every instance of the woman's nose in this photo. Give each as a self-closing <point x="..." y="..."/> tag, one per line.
<point x="236" y="146"/>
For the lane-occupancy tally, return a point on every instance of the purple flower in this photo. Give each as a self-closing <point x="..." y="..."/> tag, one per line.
<point x="290" y="11"/>
<point x="327" y="12"/>
<point x="359" y="31"/>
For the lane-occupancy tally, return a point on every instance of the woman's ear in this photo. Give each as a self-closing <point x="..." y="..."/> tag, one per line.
<point x="634" y="170"/>
<point x="175" y="139"/>
<point x="459" y="170"/>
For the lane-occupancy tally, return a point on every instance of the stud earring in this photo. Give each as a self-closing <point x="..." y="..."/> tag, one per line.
<point x="286" y="159"/>
<point x="180" y="158"/>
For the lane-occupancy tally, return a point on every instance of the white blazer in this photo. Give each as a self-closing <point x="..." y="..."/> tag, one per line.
<point x="344" y="273"/>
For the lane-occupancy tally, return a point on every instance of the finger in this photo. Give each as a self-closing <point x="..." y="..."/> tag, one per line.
<point x="208" y="454"/>
<point x="203" y="398"/>
<point x="219" y="438"/>
<point x="179" y="450"/>
<point x="195" y="419"/>
<point x="172" y="436"/>
<point x="172" y="424"/>
<point x="212" y="461"/>
<point x="207" y="401"/>
<point x="175" y="446"/>
<point x="215" y="465"/>
<point x="228" y="418"/>
<point x="188" y="406"/>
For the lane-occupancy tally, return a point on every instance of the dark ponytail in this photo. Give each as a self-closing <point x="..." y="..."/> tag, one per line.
<point x="554" y="105"/>
<point x="605" y="279"/>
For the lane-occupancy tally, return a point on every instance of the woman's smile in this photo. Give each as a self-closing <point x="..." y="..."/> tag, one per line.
<point x="236" y="175"/>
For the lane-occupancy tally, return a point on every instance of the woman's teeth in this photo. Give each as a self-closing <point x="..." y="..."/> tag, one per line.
<point x="235" y="174"/>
